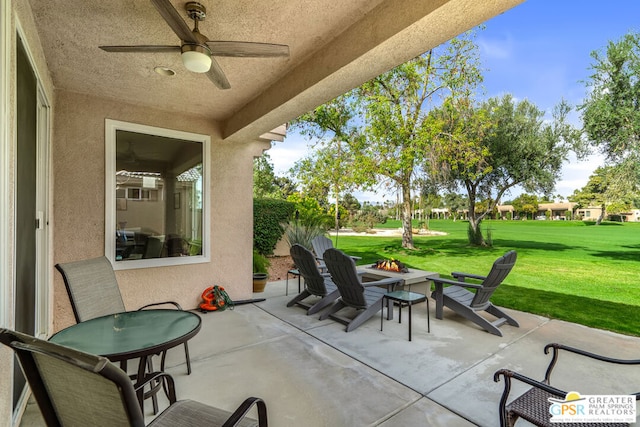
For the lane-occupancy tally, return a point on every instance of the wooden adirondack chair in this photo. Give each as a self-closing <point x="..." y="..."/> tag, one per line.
<point x="365" y="297"/>
<point x="315" y="283"/>
<point x="467" y="303"/>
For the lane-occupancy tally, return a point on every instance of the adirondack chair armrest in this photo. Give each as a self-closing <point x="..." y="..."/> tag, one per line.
<point x="461" y="276"/>
<point x="555" y="348"/>
<point x="438" y="281"/>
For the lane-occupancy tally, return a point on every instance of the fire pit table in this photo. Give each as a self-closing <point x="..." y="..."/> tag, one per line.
<point x="410" y="276"/>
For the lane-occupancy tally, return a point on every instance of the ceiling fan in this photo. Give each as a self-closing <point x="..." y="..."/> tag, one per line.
<point x="197" y="51"/>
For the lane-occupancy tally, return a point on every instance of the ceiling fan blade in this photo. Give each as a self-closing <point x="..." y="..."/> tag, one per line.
<point x="177" y="24"/>
<point x="216" y="75"/>
<point x="141" y="48"/>
<point x="247" y="49"/>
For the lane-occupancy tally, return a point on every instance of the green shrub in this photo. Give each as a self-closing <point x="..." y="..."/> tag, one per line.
<point x="359" y="227"/>
<point x="260" y="262"/>
<point x="369" y="218"/>
<point x="268" y="215"/>
<point x="301" y="234"/>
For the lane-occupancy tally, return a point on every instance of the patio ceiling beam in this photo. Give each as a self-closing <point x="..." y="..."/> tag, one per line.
<point x="392" y="33"/>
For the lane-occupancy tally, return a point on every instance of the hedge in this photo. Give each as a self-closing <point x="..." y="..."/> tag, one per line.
<point x="268" y="217"/>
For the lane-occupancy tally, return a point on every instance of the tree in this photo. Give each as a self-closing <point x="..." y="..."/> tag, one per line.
<point x="382" y="132"/>
<point x="611" y="112"/>
<point x="398" y="141"/>
<point x="330" y="166"/>
<point x="351" y="204"/>
<point x="264" y="179"/>
<point x="605" y="189"/>
<point x="526" y="204"/>
<point x="491" y="148"/>
<point x="265" y="182"/>
<point x="455" y="203"/>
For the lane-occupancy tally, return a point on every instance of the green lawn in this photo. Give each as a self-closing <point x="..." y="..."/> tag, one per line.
<point x="566" y="270"/>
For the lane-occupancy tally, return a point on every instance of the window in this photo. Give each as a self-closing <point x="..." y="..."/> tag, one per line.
<point x="156" y="197"/>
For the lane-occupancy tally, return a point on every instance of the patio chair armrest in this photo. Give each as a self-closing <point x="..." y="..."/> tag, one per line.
<point x="390" y="283"/>
<point x="242" y="410"/>
<point x="175" y="304"/>
<point x="508" y="375"/>
<point x="462" y="276"/>
<point x="555" y="347"/>
<point x="168" y="384"/>
<point x="438" y="281"/>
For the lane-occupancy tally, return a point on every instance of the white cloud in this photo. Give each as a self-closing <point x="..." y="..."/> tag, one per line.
<point x="575" y="173"/>
<point x="285" y="154"/>
<point x="495" y="48"/>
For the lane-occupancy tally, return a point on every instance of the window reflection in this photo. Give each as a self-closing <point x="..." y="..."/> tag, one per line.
<point x="159" y="197"/>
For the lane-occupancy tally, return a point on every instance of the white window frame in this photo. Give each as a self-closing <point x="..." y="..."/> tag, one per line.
<point x="111" y="127"/>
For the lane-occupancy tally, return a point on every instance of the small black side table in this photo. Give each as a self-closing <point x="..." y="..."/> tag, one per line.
<point x="404" y="298"/>
<point x="294" y="272"/>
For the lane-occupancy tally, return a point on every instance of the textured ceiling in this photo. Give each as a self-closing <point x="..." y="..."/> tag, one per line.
<point x="334" y="45"/>
<point x="71" y="31"/>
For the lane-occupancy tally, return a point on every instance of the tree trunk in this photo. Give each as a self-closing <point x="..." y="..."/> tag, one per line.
<point x="601" y="217"/>
<point x="337" y="214"/>
<point x="407" y="229"/>
<point x="476" y="237"/>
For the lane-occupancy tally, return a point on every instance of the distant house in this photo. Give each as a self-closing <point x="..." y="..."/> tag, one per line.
<point x="633" y="215"/>
<point x="558" y="211"/>
<point x="590" y="213"/>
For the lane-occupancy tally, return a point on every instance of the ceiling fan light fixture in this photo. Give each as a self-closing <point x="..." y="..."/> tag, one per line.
<point x="196" y="58"/>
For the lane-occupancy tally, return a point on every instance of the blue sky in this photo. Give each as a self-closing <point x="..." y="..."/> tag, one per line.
<point x="539" y="50"/>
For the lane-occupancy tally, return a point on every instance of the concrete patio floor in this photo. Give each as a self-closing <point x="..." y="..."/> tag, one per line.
<point x="312" y="373"/>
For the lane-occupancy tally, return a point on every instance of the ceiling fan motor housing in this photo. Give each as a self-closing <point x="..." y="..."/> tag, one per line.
<point x="196" y="11"/>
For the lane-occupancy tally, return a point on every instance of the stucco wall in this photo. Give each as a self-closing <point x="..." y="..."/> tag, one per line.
<point x="78" y="198"/>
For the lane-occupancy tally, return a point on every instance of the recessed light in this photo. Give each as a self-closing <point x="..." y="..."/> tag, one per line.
<point x="164" y="71"/>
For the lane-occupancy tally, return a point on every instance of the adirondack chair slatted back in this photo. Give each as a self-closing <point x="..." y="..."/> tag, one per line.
<point x="499" y="271"/>
<point x="320" y="245"/>
<point x="344" y="274"/>
<point x="306" y="264"/>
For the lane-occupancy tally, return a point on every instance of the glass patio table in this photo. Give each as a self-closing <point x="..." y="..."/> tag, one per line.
<point x="131" y="335"/>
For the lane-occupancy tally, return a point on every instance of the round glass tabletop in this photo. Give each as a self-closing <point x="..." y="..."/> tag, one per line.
<point x="130" y="334"/>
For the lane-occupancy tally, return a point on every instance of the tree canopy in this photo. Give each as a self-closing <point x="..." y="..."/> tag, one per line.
<point x="380" y="129"/>
<point x="606" y="189"/>
<point x="490" y="148"/>
<point x="611" y="112"/>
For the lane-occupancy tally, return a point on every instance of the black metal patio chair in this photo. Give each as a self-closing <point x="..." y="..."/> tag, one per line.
<point x="533" y="405"/>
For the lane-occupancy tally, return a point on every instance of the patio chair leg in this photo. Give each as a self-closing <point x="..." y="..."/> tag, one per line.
<point x="334" y="309"/>
<point x="302" y="295"/>
<point x="502" y="315"/>
<point x="323" y="303"/>
<point x="364" y="315"/>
